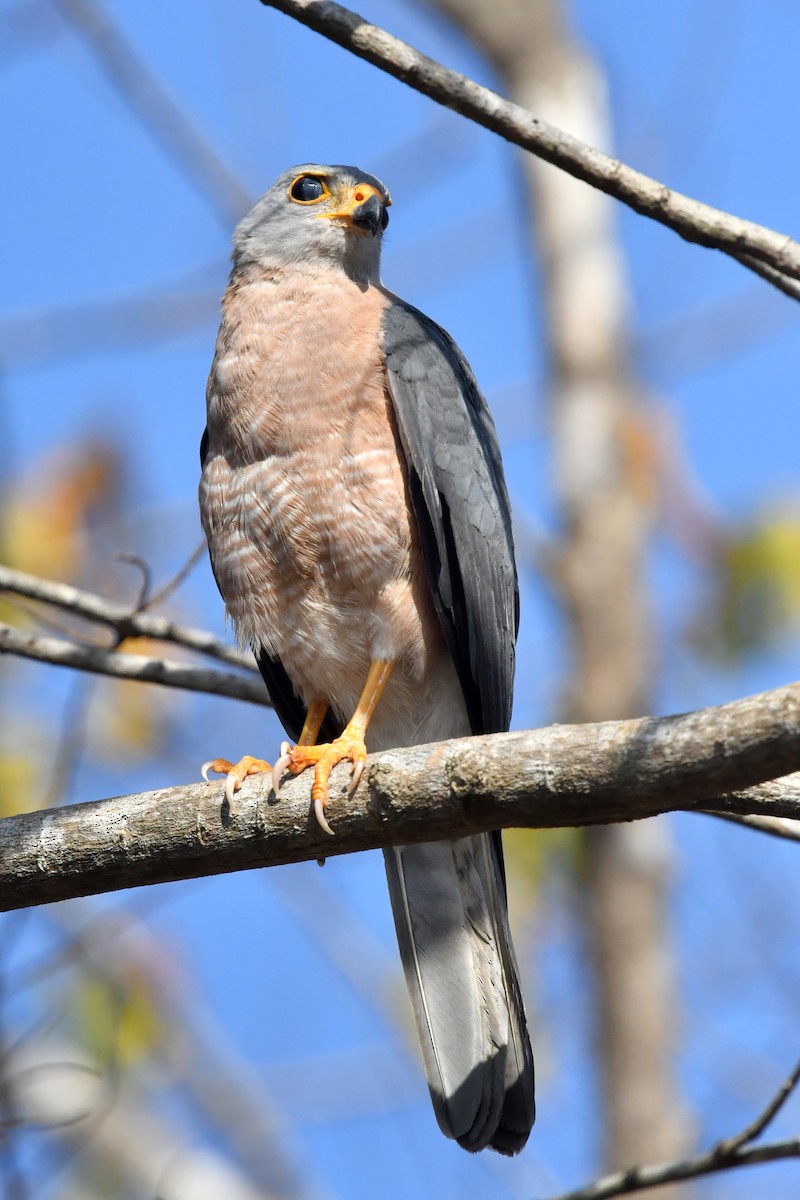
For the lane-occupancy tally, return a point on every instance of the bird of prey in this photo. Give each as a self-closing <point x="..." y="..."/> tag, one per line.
<point x="358" y="523"/>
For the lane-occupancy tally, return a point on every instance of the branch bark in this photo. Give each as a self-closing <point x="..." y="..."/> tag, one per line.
<point x="145" y="669"/>
<point x="563" y="775"/>
<point x="772" y="255"/>
<point x="126" y="622"/>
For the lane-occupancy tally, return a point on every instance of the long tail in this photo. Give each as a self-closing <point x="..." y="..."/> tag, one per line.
<point x="449" y="904"/>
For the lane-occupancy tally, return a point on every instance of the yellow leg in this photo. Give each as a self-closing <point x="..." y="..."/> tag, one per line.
<point x="314" y="718"/>
<point x="349" y="747"/>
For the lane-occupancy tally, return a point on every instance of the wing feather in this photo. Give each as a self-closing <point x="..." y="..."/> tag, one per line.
<point x="449" y="899"/>
<point x="460" y="502"/>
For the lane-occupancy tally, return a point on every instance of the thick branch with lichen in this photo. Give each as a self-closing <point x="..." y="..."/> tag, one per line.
<point x="717" y="759"/>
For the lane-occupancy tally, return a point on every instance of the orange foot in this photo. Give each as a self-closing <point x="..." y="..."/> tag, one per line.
<point x="235" y="772"/>
<point x="347" y="748"/>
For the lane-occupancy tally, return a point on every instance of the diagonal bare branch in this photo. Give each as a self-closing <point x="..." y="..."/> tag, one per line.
<point x="157" y="110"/>
<point x="756" y="1128"/>
<point x="639" y="1179"/>
<point x="178" y="579"/>
<point x="731" y="1152"/>
<point x="772" y="255"/>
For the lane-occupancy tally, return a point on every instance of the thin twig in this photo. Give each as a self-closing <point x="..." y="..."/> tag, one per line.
<point x="119" y="617"/>
<point x="639" y="1179"/>
<point x="693" y="220"/>
<point x="145" y="580"/>
<point x="754" y="1130"/>
<point x="779" y="279"/>
<point x="140" y="667"/>
<point x="178" y="578"/>
<point x="45" y="620"/>
<point x="725" y="1154"/>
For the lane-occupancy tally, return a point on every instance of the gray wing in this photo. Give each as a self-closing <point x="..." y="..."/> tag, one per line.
<point x="459" y="497"/>
<point x="449" y="899"/>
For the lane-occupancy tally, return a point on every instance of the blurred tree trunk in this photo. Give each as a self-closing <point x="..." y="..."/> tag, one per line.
<point x="604" y="491"/>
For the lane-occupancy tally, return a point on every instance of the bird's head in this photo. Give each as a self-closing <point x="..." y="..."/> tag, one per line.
<point x="315" y="212"/>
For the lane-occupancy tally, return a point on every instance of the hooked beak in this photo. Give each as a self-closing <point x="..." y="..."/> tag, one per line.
<point x="362" y="209"/>
<point x="369" y="214"/>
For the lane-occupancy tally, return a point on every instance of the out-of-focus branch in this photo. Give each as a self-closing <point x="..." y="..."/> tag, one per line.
<point x="601" y="478"/>
<point x="773" y="255"/>
<point x="42" y="337"/>
<point x="156" y="109"/>
<point x="25" y="27"/>
<point x="731" y="1152"/>
<point x="563" y="775"/>
<point x="141" y="667"/>
<point x="780" y="827"/>
<point x="125" y="622"/>
<point x="178" y="579"/>
<point x="55" y="1087"/>
<point x="225" y="1086"/>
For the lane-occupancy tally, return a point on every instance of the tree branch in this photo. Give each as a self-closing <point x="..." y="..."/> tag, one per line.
<point x="563" y="775"/>
<point x="638" y="1179"/>
<point x="101" y="661"/>
<point x="731" y="1152"/>
<point x="754" y="1130"/>
<point x="131" y="624"/>
<point x="126" y="622"/>
<point x="41" y="337"/>
<point x="696" y="222"/>
<point x="780" y="827"/>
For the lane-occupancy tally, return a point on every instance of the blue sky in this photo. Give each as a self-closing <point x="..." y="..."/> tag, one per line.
<point x="96" y="211"/>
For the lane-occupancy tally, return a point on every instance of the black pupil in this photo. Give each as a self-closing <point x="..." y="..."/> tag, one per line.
<point x="307" y="188"/>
